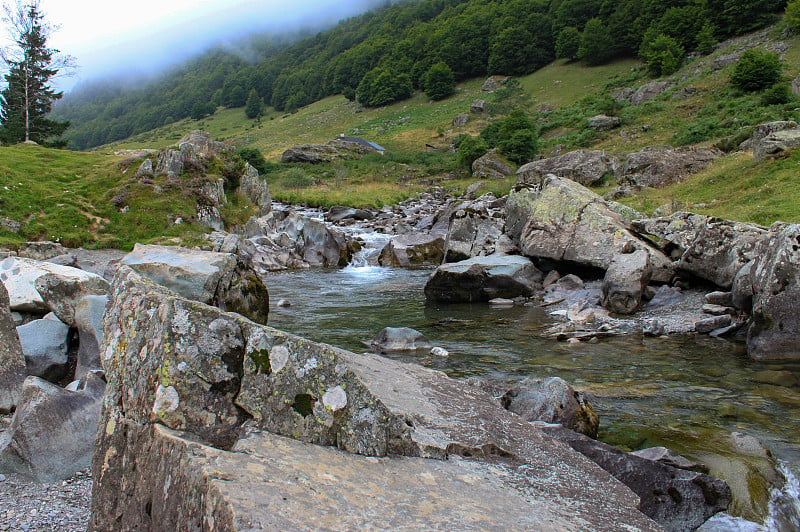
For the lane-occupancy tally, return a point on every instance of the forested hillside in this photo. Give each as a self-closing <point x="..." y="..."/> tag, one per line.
<point x="388" y="53"/>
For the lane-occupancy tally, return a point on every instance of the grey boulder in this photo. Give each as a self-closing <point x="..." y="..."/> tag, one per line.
<point x="625" y="281"/>
<point x="483" y="279"/>
<point x="586" y="167"/>
<point x="710" y="248"/>
<point x="565" y="221"/>
<point x="89" y="322"/>
<point x="552" y="400"/>
<point x="12" y="360"/>
<point x="45" y="344"/>
<point x="53" y="429"/>
<point x="399" y="339"/>
<point x="413" y="249"/>
<point x="661" y="166"/>
<point x="775" y="275"/>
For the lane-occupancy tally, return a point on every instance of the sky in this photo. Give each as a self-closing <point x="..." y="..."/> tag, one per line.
<point x="107" y="37"/>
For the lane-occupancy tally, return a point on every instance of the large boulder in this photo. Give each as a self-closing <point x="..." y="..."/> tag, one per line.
<point x="413" y="249"/>
<point x="676" y="499"/>
<point x="491" y="166"/>
<point x="12" y="360"/>
<point x="53" y="429"/>
<point x="763" y="130"/>
<point x="41" y="250"/>
<point x="625" y="281"/>
<point x="775" y="277"/>
<point x="476" y="229"/>
<point x="658" y="167"/>
<point x="61" y="286"/>
<point x="325" y="153"/>
<point x="587" y="167"/>
<point x="775" y="143"/>
<point x="181" y="372"/>
<point x="45" y="345"/>
<point x="483" y="279"/>
<point x="710" y="248"/>
<point x="552" y="400"/>
<point x="255" y="188"/>
<point x="315" y="242"/>
<point x="205" y="276"/>
<point x="649" y="91"/>
<point x="603" y="122"/>
<point x="565" y="221"/>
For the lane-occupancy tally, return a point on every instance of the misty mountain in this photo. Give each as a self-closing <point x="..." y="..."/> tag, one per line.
<point x="388" y="51"/>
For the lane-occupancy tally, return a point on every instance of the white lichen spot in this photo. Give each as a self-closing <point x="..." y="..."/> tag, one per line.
<point x="180" y="322"/>
<point x="183" y="367"/>
<point x="111" y="426"/>
<point x="167" y="400"/>
<point x="108" y="354"/>
<point x="341" y="369"/>
<point x="335" y="399"/>
<point x="278" y="357"/>
<point x="143" y="353"/>
<point x="310" y="364"/>
<point x="427" y="478"/>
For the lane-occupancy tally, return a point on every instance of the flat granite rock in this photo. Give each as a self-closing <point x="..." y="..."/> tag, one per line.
<point x="269" y="482"/>
<point x="212" y="375"/>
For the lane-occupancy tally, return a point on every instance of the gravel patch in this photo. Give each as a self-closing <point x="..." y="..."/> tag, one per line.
<point x="27" y="506"/>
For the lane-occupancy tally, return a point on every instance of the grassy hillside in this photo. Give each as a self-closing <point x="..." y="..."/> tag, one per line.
<point x="88" y="199"/>
<point x="75" y="197"/>
<point x="701" y="108"/>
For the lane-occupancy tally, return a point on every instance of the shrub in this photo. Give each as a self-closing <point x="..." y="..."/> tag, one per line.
<point x="469" y="149"/>
<point x="662" y="54"/>
<point x="439" y="81"/>
<point x="793" y="15"/>
<point x="520" y="147"/>
<point x="254" y="105"/>
<point x="255" y="158"/>
<point x="756" y="70"/>
<point x="778" y="94"/>
<point x="568" y="43"/>
<point x="597" y="44"/>
<point x="296" y="178"/>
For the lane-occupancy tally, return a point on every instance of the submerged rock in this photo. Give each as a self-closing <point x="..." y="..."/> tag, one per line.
<point x="552" y="400"/>
<point x="400" y="339"/>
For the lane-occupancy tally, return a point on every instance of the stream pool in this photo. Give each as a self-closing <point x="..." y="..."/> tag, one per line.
<point x="701" y="397"/>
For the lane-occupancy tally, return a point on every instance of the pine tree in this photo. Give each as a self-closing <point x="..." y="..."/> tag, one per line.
<point x="28" y="97"/>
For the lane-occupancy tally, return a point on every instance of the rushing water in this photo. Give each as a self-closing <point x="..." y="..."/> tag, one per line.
<point x="686" y="393"/>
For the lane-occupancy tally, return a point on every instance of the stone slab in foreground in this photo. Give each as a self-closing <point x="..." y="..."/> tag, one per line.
<point x="268" y="482"/>
<point x="195" y="369"/>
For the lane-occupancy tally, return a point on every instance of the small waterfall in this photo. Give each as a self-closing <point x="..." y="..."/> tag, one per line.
<point x="367" y="257"/>
<point x="784" y="505"/>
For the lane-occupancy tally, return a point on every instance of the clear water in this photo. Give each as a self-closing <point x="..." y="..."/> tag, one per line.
<point x="682" y="392"/>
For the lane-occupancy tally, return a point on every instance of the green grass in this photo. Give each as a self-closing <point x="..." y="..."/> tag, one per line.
<point x="736" y="188"/>
<point x="69" y="197"/>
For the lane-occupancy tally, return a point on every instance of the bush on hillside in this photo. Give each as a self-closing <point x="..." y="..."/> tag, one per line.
<point x="568" y="43"/>
<point x="469" y="149"/>
<point x="439" y="81"/>
<point x="515" y="137"/>
<point x="661" y="53"/>
<point x="597" y="44"/>
<point x="255" y="158"/>
<point x="756" y="70"/>
<point x="778" y="94"/>
<point x="793" y="15"/>
<point x="381" y="87"/>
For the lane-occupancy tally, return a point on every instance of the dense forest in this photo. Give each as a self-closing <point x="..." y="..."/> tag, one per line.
<point x="385" y="54"/>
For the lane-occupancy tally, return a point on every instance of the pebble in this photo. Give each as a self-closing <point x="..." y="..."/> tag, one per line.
<point x="440" y="352"/>
<point x="28" y="505"/>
